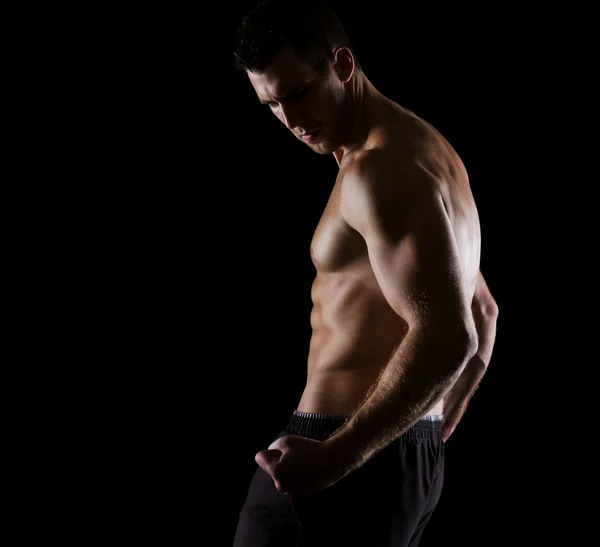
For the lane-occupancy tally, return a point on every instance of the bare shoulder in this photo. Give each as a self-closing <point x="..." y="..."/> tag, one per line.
<point x="427" y="145"/>
<point x="390" y="189"/>
<point x="407" y="154"/>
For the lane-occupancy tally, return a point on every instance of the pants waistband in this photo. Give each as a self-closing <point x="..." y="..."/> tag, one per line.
<point x="321" y="426"/>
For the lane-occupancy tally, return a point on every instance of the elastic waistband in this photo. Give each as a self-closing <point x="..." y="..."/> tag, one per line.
<point x="321" y="426"/>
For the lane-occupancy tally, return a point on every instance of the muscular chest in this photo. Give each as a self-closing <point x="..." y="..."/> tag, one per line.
<point x="335" y="244"/>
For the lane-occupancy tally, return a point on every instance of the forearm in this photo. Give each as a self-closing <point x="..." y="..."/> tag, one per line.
<point x="417" y="376"/>
<point x="458" y="396"/>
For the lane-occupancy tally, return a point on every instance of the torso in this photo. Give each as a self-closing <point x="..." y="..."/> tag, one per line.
<point x="354" y="330"/>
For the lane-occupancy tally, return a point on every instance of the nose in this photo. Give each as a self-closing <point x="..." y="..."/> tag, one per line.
<point x="291" y="116"/>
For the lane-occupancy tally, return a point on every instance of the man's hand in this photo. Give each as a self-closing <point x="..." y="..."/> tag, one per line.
<point x="448" y="427"/>
<point x="299" y="465"/>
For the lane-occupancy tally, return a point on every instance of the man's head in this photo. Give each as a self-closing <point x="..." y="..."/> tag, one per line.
<point x="299" y="60"/>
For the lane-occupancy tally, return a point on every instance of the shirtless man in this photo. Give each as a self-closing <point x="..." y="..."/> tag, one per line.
<point x="403" y="323"/>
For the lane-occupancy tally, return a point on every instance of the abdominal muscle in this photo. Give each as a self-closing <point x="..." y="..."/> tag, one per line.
<point x="354" y="335"/>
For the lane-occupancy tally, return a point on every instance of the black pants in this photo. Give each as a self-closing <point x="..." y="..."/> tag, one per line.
<point x="385" y="503"/>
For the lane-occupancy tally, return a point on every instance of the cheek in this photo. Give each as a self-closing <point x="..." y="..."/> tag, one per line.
<point x="333" y="99"/>
<point x="340" y="98"/>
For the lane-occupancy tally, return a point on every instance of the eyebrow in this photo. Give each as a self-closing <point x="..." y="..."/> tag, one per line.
<point x="294" y="91"/>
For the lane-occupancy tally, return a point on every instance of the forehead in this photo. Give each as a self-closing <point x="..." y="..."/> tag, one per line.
<point x="286" y="72"/>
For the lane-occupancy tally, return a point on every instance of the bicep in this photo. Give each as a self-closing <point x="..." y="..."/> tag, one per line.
<point x="419" y="272"/>
<point x="413" y="251"/>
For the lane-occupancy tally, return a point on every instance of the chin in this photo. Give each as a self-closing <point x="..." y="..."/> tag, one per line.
<point x="321" y="147"/>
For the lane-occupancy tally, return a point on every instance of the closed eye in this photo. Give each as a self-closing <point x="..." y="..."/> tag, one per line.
<point x="290" y="97"/>
<point x="298" y="95"/>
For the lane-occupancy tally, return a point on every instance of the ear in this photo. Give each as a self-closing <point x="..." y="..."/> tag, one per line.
<point x="343" y="63"/>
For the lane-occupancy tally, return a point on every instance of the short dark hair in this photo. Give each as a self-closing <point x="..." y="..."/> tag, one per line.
<point x="311" y="28"/>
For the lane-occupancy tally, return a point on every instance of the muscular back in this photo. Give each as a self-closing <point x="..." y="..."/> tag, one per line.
<point x="354" y="329"/>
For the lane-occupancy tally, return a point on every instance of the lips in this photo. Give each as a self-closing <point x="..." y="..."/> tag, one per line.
<point x="310" y="135"/>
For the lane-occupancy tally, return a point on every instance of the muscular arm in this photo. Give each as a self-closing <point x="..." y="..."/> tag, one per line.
<point x="413" y="253"/>
<point x="485" y="314"/>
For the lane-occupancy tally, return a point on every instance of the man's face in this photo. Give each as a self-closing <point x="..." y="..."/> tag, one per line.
<point x="308" y="102"/>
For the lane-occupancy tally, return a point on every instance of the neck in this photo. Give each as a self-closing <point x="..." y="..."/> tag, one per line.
<point x="361" y="93"/>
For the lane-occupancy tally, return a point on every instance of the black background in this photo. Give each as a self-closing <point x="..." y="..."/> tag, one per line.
<point x="196" y="209"/>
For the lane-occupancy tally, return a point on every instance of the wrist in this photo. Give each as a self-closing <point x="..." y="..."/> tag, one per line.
<point x="343" y="449"/>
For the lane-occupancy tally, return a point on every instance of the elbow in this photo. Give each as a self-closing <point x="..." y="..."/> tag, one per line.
<point x="486" y="311"/>
<point x="460" y="352"/>
<point x="463" y="346"/>
<point x="457" y="343"/>
<point x="466" y="345"/>
<point x="491" y="310"/>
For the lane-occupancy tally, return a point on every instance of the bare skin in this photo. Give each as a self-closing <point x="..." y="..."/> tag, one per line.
<point x="396" y="254"/>
<point x="354" y="329"/>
